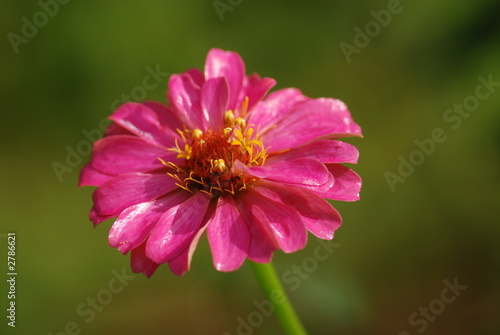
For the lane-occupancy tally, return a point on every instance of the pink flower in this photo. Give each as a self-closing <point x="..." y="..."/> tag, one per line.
<point x="222" y="158"/>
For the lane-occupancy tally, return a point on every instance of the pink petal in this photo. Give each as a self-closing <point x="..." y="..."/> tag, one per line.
<point x="304" y="172"/>
<point x="228" y="236"/>
<point x="262" y="240"/>
<point x="139" y="262"/>
<point x="92" y="177"/>
<point x="319" y="217"/>
<point x="325" y="151"/>
<point x="185" y="95"/>
<point x="119" y="154"/>
<point x="347" y="184"/>
<point x="314" y="119"/>
<point x="273" y="109"/>
<point x="286" y="225"/>
<point x="214" y="97"/>
<point x="176" y="228"/>
<point x="130" y="189"/>
<point x="142" y="121"/>
<point x="197" y="76"/>
<point x="135" y="223"/>
<point x="255" y="89"/>
<point x="116" y="129"/>
<point x="227" y="64"/>
<point x="96" y="218"/>
<point x="169" y="121"/>
<point x="182" y="263"/>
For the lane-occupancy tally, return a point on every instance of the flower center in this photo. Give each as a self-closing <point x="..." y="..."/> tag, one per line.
<point x="209" y="158"/>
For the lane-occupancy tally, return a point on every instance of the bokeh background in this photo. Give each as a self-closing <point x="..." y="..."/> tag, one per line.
<point x="396" y="246"/>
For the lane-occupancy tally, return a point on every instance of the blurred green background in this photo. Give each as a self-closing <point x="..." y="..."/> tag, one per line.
<point x="396" y="247"/>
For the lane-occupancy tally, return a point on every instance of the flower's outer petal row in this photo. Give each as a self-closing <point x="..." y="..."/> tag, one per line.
<point x="262" y="240"/>
<point x="134" y="224"/>
<point x="255" y="89"/>
<point x="214" y="98"/>
<point x="227" y="64"/>
<point x="314" y="119"/>
<point x="130" y="189"/>
<point x="92" y="177"/>
<point x="140" y="263"/>
<point x="166" y="115"/>
<point x="176" y="229"/>
<point x="284" y="222"/>
<point x="319" y="217"/>
<point x="267" y="113"/>
<point x="169" y="120"/>
<point x="325" y="151"/>
<point x="115" y="129"/>
<point x="228" y="236"/>
<point x="96" y="218"/>
<point x="182" y="263"/>
<point x="347" y="184"/>
<point x="185" y="95"/>
<point x="305" y="172"/>
<point x="197" y="76"/>
<point x="120" y="154"/>
<point x="143" y="122"/>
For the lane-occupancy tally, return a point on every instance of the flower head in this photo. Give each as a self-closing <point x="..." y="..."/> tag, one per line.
<point x="223" y="158"/>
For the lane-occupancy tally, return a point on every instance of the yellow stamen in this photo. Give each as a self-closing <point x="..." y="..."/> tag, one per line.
<point x="241" y="122"/>
<point x="229" y="119"/>
<point x="227" y="131"/>
<point x="218" y="165"/>
<point x="176" y="149"/>
<point x="250" y="132"/>
<point x="239" y="134"/>
<point x="191" y="179"/>
<point x="244" y="107"/>
<point x="176" y="177"/>
<point x="197" y="134"/>
<point x="185" y="188"/>
<point x="182" y="134"/>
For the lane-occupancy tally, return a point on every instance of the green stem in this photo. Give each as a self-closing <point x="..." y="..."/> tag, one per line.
<point x="274" y="292"/>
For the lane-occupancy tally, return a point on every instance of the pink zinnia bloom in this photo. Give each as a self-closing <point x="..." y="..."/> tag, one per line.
<point x="223" y="158"/>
